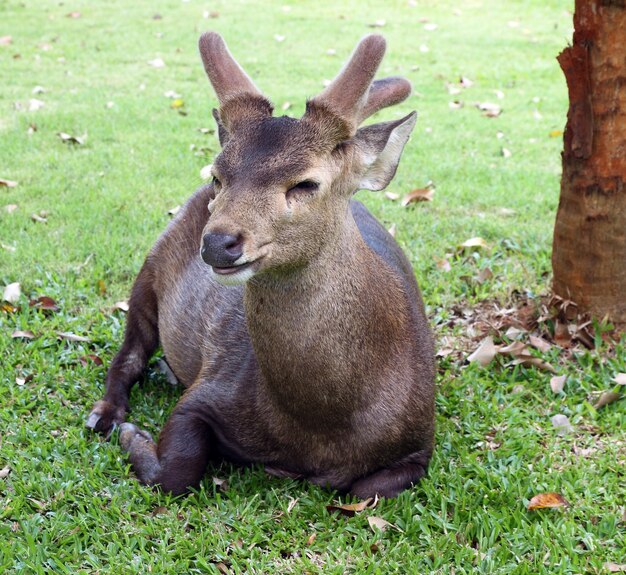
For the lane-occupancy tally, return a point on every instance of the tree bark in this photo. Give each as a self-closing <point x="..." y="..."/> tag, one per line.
<point x="589" y="247"/>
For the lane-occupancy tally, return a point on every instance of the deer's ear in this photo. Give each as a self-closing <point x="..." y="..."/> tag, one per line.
<point x="380" y="147"/>
<point x="222" y="134"/>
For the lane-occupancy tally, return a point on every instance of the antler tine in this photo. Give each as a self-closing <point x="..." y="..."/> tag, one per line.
<point x="347" y="93"/>
<point x="383" y="93"/>
<point x="226" y="75"/>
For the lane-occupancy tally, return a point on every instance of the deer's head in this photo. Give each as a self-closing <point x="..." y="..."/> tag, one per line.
<point x="282" y="185"/>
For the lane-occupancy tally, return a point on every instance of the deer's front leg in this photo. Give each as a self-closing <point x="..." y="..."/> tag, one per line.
<point x="140" y="340"/>
<point x="179" y="459"/>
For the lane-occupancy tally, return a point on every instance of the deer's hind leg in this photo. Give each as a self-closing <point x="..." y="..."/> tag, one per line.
<point x="140" y="341"/>
<point x="179" y="459"/>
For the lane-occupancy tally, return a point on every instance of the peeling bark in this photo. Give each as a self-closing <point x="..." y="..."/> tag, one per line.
<point x="589" y="247"/>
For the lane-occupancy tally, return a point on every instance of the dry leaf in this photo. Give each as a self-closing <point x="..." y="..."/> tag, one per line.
<point x="69" y="336"/>
<point x="90" y="357"/>
<point x="221" y="484"/>
<point x="379" y="523"/>
<point x="173" y="211"/>
<point x="484" y="275"/>
<point x="157" y="63"/>
<point x="442" y="264"/>
<point x="474" y="243"/>
<point x="292" y="503"/>
<point x="34" y="105"/>
<point x="506" y="153"/>
<point x="69" y="139"/>
<point x="121" y="305"/>
<point x="12" y="292"/>
<point x="485" y="353"/>
<point x="547" y="500"/>
<point x="286" y="106"/>
<point x="392" y="230"/>
<point x="562" y="336"/>
<point x="222" y="568"/>
<point x="489" y="109"/>
<point x="205" y="173"/>
<point x="555" y="133"/>
<point x="392" y="196"/>
<point x="455" y="104"/>
<point x="419" y="195"/>
<point x="311" y="538"/>
<point x="614" y="567"/>
<point x="74" y="15"/>
<point x="40" y="218"/>
<point x="605" y="398"/>
<point x="349" y="509"/>
<point x="6" y="40"/>
<point x="44" y="302"/>
<point x="10" y="208"/>
<point x="539" y="343"/>
<point x="279" y="38"/>
<point x="7" y="183"/>
<point x="561" y="424"/>
<point x="515" y="349"/>
<point x="557" y="383"/>
<point x="6" y="307"/>
<point x="177" y="104"/>
<point x="620" y="379"/>
<point x="26" y="334"/>
<point x="4" y="472"/>
<point x="377" y="24"/>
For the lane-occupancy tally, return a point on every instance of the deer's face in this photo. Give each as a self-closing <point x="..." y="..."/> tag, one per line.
<point x="282" y="185"/>
<point x="280" y="193"/>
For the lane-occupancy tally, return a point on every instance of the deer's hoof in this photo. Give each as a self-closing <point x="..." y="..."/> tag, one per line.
<point x="129" y="433"/>
<point x="105" y="417"/>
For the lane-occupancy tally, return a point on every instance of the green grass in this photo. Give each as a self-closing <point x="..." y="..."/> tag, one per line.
<point x="70" y="503"/>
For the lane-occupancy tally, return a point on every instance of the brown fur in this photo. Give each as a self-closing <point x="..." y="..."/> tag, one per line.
<point x="321" y="364"/>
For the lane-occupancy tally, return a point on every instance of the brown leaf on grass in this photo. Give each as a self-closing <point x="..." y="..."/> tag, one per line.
<point x="161" y="510"/>
<point x="311" y="538"/>
<point x="45" y="303"/>
<point x="485" y="353"/>
<point x="562" y="336"/>
<point x="442" y="264"/>
<point x="292" y="503"/>
<point x="6" y="307"/>
<point x="7" y="183"/>
<point x="4" y="472"/>
<point x="547" y="501"/>
<point x="102" y="287"/>
<point x="221" y="484"/>
<point x="561" y="424"/>
<point x="605" y="398"/>
<point x="222" y="568"/>
<point x="392" y="196"/>
<point x="40" y="217"/>
<point x="615" y="567"/>
<point x="25" y="334"/>
<point x="6" y="40"/>
<point x="380" y="523"/>
<point x="377" y="24"/>
<point x="557" y="383"/>
<point x="69" y="336"/>
<point x="10" y="208"/>
<point x="350" y="509"/>
<point x="74" y="15"/>
<point x="69" y="139"/>
<point x="419" y="195"/>
<point x="174" y="210"/>
<point x="484" y="275"/>
<point x="506" y="153"/>
<point x="12" y="292"/>
<point x="539" y="343"/>
<point x="90" y="357"/>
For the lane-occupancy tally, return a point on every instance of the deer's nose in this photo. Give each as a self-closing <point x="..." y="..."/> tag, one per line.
<point x="221" y="250"/>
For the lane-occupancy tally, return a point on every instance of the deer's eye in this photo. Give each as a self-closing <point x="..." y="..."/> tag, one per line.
<point x="216" y="183"/>
<point x="304" y="188"/>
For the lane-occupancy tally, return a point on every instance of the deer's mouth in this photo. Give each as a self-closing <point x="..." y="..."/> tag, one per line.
<point x="237" y="274"/>
<point x="227" y="271"/>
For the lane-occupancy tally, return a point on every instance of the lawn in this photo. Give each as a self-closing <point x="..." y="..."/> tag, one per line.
<point x="91" y="70"/>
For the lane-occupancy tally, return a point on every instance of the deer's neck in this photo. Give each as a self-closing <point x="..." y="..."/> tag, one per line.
<point x="320" y="333"/>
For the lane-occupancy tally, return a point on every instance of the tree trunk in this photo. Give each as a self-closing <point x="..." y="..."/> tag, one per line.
<point x="589" y="249"/>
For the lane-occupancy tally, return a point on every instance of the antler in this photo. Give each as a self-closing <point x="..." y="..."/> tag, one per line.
<point x="236" y="93"/>
<point x="352" y="97"/>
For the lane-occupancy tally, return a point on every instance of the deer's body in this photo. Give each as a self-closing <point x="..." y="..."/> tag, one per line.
<point x="319" y="363"/>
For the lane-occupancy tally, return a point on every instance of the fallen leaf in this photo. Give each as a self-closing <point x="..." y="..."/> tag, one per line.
<point x="12" y="292"/>
<point x="279" y="38"/>
<point x="489" y="109"/>
<point x="7" y="183"/>
<point x="4" y="472"/>
<point x="539" y="343"/>
<point x="377" y="24"/>
<point x="557" y="383"/>
<point x="34" y="105"/>
<point x="161" y="510"/>
<point x="392" y="230"/>
<point x="174" y="210"/>
<point x="26" y="334"/>
<point x="10" y="208"/>
<point x="614" y="567"/>
<point x="605" y="398"/>
<point x="547" y="500"/>
<point x="620" y="379"/>
<point x="484" y="275"/>
<point x="474" y="243"/>
<point x="172" y="94"/>
<point x="442" y="264"/>
<point x="561" y="424"/>
<point x="177" y="104"/>
<point x="6" y="307"/>
<point x="221" y="484"/>
<point x="121" y="305"/>
<point x="222" y="568"/>
<point x="205" y="173"/>
<point x="555" y="133"/>
<point x="74" y="15"/>
<point x="6" y="40"/>
<point x="44" y="302"/>
<point x="419" y="195"/>
<point x="485" y="353"/>
<point x="430" y="27"/>
<point x="514" y="332"/>
<point x="90" y="357"/>
<point x="286" y="106"/>
<point x="562" y="335"/>
<point x="455" y="105"/>
<point x="349" y="509"/>
<point x="392" y="196"/>
<point x="515" y="349"/>
<point x="311" y="538"/>
<point x="379" y="523"/>
<point x="69" y="336"/>
<point x="157" y="63"/>
<point x="528" y="360"/>
<point x="39" y="218"/>
<point x="465" y="82"/>
<point x="292" y="503"/>
<point x="506" y="153"/>
<point x="69" y="139"/>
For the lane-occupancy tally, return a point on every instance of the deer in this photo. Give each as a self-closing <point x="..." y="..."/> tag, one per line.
<point x="287" y="311"/>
